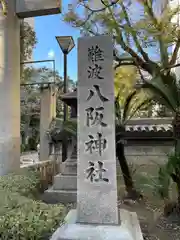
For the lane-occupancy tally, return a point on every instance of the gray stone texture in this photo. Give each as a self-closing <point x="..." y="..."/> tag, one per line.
<point x="9" y="90"/>
<point x="53" y="196"/>
<point x="148" y="154"/>
<point x="128" y="230"/>
<point x="96" y="201"/>
<point x="64" y="189"/>
<point x="65" y="182"/>
<point x="33" y="8"/>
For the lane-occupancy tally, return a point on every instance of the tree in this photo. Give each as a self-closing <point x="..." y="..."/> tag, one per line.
<point x="28" y="40"/>
<point x="125" y="79"/>
<point x="123" y="114"/>
<point x="30" y="110"/>
<point x="145" y="39"/>
<point x="30" y="102"/>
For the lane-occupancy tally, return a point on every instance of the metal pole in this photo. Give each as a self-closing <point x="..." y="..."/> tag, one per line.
<point x="65" y="108"/>
<point x="65" y="85"/>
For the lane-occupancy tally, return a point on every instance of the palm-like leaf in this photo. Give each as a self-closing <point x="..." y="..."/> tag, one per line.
<point x="70" y="127"/>
<point x="127" y="105"/>
<point x="163" y="93"/>
<point x="125" y="113"/>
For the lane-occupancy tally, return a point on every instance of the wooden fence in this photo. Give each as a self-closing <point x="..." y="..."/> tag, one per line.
<point x="47" y="170"/>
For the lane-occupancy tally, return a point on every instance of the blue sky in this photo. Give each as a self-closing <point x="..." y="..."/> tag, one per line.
<point x="47" y="27"/>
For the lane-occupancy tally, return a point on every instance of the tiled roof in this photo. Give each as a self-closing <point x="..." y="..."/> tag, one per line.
<point x="69" y="95"/>
<point x="149" y="125"/>
<point x="149" y="128"/>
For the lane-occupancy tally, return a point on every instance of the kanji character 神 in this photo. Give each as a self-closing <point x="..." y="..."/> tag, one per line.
<point x="96" y="144"/>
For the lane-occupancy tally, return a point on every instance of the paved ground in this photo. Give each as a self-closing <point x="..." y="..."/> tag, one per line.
<point x="31" y="157"/>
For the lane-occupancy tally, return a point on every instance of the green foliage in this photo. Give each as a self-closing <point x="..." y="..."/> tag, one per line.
<point x="131" y="105"/>
<point x="58" y="130"/>
<point x="138" y="31"/>
<point x="21" y="216"/>
<point x="29" y="40"/>
<point x="165" y="91"/>
<point x="23" y="147"/>
<point x="161" y="184"/>
<point x="25" y="184"/>
<point x="31" y="220"/>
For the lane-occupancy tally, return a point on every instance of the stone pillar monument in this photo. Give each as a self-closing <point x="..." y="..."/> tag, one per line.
<point x="9" y="90"/>
<point x="48" y="112"/>
<point x="97" y="215"/>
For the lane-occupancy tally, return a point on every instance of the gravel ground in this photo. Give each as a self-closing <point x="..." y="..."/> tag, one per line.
<point x="155" y="228"/>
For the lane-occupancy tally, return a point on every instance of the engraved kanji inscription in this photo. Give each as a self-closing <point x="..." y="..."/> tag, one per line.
<point x="98" y="144"/>
<point x="98" y="91"/>
<point x="96" y="174"/>
<point x="94" y="72"/>
<point x="91" y="172"/>
<point x="95" y="116"/>
<point x="95" y="54"/>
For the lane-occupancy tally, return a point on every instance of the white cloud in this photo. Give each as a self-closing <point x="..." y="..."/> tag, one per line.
<point x="51" y="54"/>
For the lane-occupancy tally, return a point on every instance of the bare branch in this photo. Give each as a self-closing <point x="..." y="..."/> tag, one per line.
<point x="163" y="49"/>
<point x="134" y="35"/>
<point x="175" y="52"/>
<point x="101" y="9"/>
<point x="170" y="67"/>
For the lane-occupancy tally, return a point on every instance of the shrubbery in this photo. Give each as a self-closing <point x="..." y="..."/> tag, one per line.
<point x="25" y="184"/>
<point x="21" y="216"/>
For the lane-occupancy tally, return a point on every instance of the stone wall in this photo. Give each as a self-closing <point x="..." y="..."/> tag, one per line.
<point x="143" y="154"/>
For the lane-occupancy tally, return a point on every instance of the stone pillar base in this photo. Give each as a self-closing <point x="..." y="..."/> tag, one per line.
<point x="128" y="230"/>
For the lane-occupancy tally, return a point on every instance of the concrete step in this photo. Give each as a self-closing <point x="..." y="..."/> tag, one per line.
<point x="52" y="196"/>
<point x="70" y="168"/>
<point x="65" y="182"/>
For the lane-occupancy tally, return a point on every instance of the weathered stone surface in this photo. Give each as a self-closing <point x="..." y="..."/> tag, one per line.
<point x="48" y="112"/>
<point x="9" y="90"/>
<point x="59" y="196"/>
<point x="65" y="182"/>
<point x="33" y="8"/>
<point x="96" y="200"/>
<point x="128" y="230"/>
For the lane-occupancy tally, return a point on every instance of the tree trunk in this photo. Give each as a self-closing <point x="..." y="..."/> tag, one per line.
<point x="128" y="181"/>
<point x="177" y="146"/>
<point x="176" y="132"/>
<point x="178" y="202"/>
<point x="129" y="184"/>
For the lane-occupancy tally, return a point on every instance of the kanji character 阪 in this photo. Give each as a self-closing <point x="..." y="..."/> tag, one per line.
<point x="97" y="119"/>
